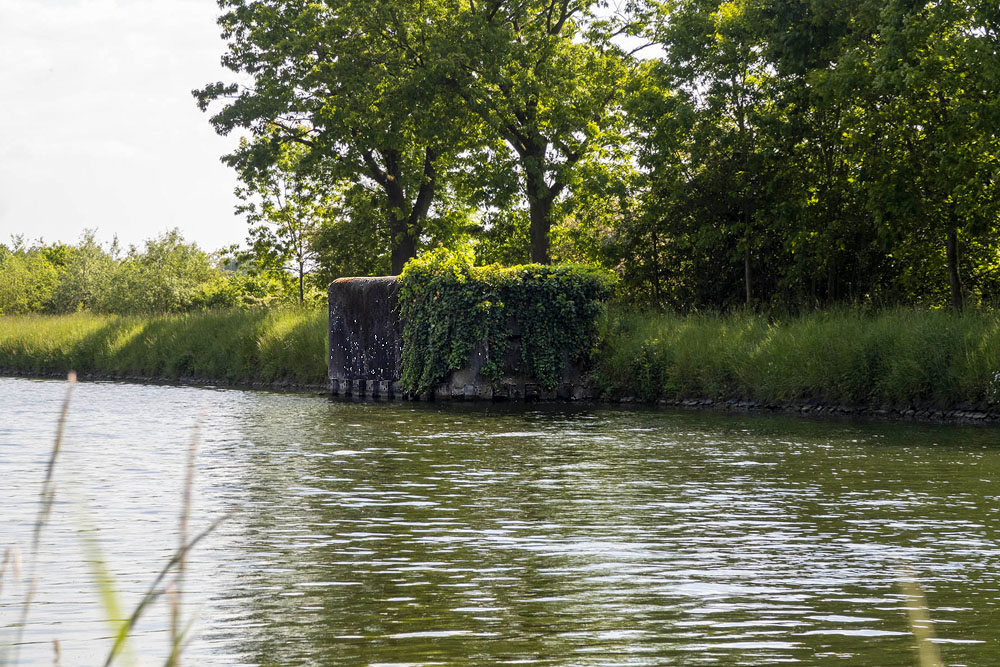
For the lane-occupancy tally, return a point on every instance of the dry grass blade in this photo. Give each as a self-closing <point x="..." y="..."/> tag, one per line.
<point x="155" y="590"/>
<point x="46" y="501"/>
<point x="918" y="615"/>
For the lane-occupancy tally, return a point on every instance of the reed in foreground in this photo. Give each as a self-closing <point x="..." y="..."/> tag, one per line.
<point x="169" y="581"/>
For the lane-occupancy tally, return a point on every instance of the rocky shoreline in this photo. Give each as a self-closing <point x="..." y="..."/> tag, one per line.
<point x="804" y="408"/>
<point x="282" y="385"/>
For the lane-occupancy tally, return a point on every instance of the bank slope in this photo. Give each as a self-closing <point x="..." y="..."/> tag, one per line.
<point x="241" y="347"/>
<point x="901" y="360"/>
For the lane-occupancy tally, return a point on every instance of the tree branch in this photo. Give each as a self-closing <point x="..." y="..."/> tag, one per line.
<point x="426" y="193"/>
<point x="374" y="170"/>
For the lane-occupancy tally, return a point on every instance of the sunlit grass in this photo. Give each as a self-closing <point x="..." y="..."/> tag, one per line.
<point x="899" y="358"/>
<point x="237" y="346"/>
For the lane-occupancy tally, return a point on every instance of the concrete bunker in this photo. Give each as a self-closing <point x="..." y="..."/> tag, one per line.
<point x="366" y="342"/>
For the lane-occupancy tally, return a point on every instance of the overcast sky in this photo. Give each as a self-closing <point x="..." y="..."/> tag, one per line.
<point x="98" y="128"/>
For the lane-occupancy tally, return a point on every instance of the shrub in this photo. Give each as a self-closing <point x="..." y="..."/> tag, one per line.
<point x="167" y="276"/>
<point x="27" y="281"/>
<point x="448" y="306"/>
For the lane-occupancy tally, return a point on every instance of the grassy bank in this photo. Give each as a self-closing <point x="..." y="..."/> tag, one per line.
<point x="238" y="347"/>
<point x="899" y="359"/>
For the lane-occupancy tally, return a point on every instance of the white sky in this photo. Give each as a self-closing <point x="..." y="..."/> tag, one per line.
<point x="98" y="128"/>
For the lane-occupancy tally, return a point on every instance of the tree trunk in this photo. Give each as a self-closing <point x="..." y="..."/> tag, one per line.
<point x="746" y="275"/>
<point x="540" y="210"/>
<point x="403" y="248"/>
<point x="405" y="221"/>
<point x="656" y="270"/>
<point x="951" y="249"/>
<point x="302" y="294"/>
<point x="540" y="213"/>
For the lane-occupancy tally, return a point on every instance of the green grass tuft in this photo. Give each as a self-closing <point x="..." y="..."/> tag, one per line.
<point x="233" y="346"/>
<point x="899" y="358"/>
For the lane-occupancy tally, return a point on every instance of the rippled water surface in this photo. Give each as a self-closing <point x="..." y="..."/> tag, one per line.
<point x="413" y="534"/>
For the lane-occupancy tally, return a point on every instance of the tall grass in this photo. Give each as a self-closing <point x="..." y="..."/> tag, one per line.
<point x="122" y="626"/>
<point x="236" y="346"/>
<point x="900" y="358"/>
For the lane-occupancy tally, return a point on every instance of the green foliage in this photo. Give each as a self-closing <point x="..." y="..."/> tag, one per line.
<point x="28" y="281"/>
<point x="797" y="154"/>
<point x="900" y="358"/>
<point x="344" y="79"/>
<point x="85" y="281"/>
<point x="449" y="306"/>
<point x="353" y="241"/>
<point x="776" y="154"/>
<point x="780" y="155"/>
<point x="286" y="205"/>
<point x="236" y="346"/>
<point x="504" y="239"/>
<point x="547" y="79"/>
<point x="166" y="275"/>
<point x="417" y="100"/>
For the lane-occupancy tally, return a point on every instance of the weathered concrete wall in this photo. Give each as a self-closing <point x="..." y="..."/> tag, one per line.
<point x="469" y="384"/>
<point x="366" y="348"/>
<point x="365" y="337"/>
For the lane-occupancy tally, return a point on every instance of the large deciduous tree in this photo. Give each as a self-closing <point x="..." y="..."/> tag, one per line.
<point x="545" y="76"/>
<point x="331" y="76"/>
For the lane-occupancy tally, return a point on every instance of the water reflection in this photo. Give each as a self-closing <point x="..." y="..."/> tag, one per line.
<point x="414" y="534"/>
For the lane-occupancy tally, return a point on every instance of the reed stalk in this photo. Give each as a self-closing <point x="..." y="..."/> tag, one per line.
<point x="919" y="618"/>
<point x="177" y="564"/>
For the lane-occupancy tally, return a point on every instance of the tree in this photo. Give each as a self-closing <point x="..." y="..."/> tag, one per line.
<point x="703" y="119"/>
<point x="934" y="69"/>
<point x="338" y="78"/>
<point x="285" y="206"/>
<point x="844" y="150"/>
<point x="353" y="239"/>
<point x="84" y="283"/>
<point x="545" y="76"/>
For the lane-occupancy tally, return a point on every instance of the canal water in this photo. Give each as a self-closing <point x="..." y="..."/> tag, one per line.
<point x="413" y="534"/>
